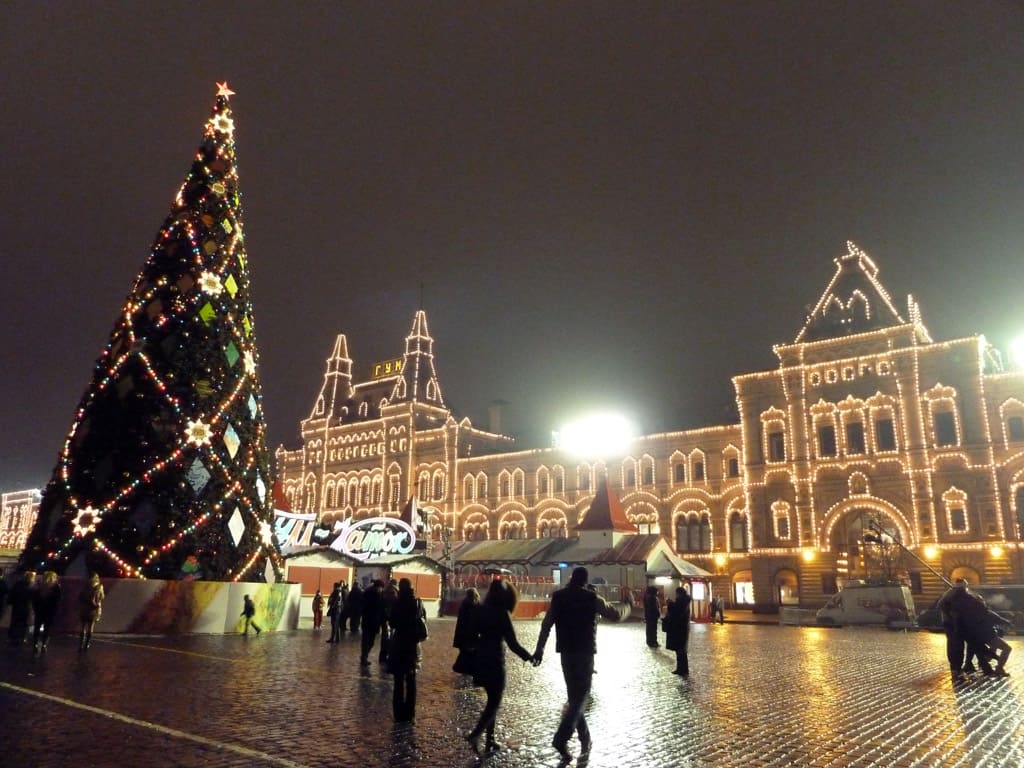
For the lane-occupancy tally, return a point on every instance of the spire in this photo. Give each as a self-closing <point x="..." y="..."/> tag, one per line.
<point x="336" y="389"/>
<point x="853" y="302"/>
<point x="418" y="379"/>
<point x="166" y="460"/>
<point x="606" y="512"/>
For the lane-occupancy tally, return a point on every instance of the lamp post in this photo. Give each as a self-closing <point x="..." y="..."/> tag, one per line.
<point x="447" y="566"/>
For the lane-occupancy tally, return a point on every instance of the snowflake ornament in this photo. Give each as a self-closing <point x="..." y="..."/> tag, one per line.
<point x="249" y="362"/>
<point x="198" y="433"/>
<point x="86" y="521"/>
<point x="210" y="284"/>
<point x="223" y="124"/>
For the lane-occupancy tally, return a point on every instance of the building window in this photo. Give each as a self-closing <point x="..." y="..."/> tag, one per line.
<point x="738" y="532"/>
<point x="698" y="471"/>
<point x="585" y="483"/>
<point x="776" y="446"/>
<point x="945" y="428"/>
<point x="734" y="467"/>
<point x="543" y="484"/>
<point x="693" y="534"/>
<point x="782" y="527"/>
<point x="1015" y="428"/>
<point x="558" y="484"/>
<point x="648" y="475"/>
<point x="438" y="488"/>
<point x="630" y="477"/>
<point x="826" y="440"/>
<point x="679" y="473"/>
<point x="519" y="485"/>
<point x="958" y="520"/>
<point x="855" y="437"/>
<point x="885" y="435"/>
<point x="504" y="487"/>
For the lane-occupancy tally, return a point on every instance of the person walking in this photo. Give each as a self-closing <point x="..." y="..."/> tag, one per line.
<point x="718" y="609"/>
<point x="318" y="610"/>
<point x="45" y="601"/>
<point x="573" y="613"/>
<point x="334" y="604"/>
<point x="492" y="627"/>
<point x="90" y="604"/>
<point x="354" y="607"/>
<point x="677" y="630"/>
<point x="652" y="615"/>
<point x="20" y="599"/>
<point x="373" y="617"/>
<point x="249" y="612"/>
<point x="390" y="595"/>
<point x="465" y="638"/>
<point x="408" y="630"/>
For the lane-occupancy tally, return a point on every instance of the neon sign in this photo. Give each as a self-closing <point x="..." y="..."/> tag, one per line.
<point x="375" y="537"/>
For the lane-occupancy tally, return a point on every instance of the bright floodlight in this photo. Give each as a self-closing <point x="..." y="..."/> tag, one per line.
<point x="1017" y="352"/>
<point x="601" y="434"/>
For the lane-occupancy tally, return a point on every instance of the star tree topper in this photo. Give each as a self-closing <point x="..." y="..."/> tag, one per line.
<point x="223" y="90"/>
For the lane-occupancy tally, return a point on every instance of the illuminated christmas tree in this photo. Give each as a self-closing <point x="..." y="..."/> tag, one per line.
<point x="166" y="472"/>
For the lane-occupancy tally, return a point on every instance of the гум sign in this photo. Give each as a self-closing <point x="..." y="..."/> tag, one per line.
<point x="374" y="537"/>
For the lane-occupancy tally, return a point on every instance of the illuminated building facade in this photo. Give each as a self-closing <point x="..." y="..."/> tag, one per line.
<point x="865" y="421"/>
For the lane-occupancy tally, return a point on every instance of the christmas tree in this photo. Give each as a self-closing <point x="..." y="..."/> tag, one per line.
<point x="165" y="472"/>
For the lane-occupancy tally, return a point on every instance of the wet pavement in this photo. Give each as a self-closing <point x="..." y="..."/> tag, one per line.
<point x="757" y="696"/>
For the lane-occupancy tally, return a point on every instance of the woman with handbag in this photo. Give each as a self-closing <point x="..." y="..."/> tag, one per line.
<point x="408" y="630"/>
<point x="493" y="624"/>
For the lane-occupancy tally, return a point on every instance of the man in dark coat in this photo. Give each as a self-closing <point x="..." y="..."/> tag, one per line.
<point x="354" y="607"/>
<point x="652" y="615"/>
<point x="373" y="618"/>
<point x="573" y="613"/>
<point x="677" y="630"/>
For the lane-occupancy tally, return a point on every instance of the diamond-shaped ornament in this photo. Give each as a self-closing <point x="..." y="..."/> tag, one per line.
<point x="236" y="527"/>
<point x="231" y="285"/>
<point x="231" y="441"/>
<point x="231" y="353"/>
<point x="252" y="406"/>
<point x="261" y="487"/>
<point x="268" y="573"/>
<point x="247" y="324"/>
<point x="207" y="313"/>
<point x="198" y="476"/>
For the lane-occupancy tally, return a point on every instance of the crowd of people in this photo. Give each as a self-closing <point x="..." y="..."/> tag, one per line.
<point x="34" y="602"/>
<point x="972" y="633"/>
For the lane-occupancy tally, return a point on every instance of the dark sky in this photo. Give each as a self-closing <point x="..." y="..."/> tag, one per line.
<point x="617" y="203"/>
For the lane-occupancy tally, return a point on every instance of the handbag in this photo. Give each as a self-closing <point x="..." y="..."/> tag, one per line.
<point x="465" y="662"/>
<point x="421" y="629"/>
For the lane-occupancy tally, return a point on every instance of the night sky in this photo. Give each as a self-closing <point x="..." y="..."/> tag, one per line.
<point x="619" y="204"/>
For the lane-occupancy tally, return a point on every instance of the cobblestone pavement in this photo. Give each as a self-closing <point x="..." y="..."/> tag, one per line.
<point x="758" y="696"/>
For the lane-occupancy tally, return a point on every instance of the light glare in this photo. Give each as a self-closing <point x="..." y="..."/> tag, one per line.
<point x="600" y="434"/>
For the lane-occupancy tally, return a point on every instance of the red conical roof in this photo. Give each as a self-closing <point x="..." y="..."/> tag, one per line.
<point x="606" y="512"/>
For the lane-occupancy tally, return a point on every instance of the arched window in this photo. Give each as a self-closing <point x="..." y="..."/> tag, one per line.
<point x="738" y="532"/>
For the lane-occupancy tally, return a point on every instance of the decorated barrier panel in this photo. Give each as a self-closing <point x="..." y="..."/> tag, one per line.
<point x="154" y="607"/>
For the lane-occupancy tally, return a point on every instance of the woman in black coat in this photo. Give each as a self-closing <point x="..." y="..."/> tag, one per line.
<point x="677" y="630"/>
<point x="493" y="624"/>
<point x="407" y="622"/>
